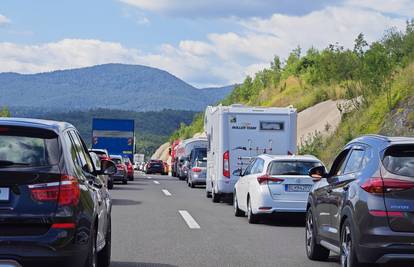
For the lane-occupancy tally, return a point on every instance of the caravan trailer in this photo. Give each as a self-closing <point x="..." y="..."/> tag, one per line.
<point x="182" y="154"/>
<point x="238" y="133"/>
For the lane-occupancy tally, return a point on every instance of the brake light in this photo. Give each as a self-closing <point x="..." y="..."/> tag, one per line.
<point x="265" y="179"/>
<point x="226" y="164"/>
<point x="3" y="129"/>
<point x="383" y="213"/>
<point x="67" y="192"/>
<point x="195" y="169"/>
<point x="378" y="185"/>
<point x="63" y="226"/>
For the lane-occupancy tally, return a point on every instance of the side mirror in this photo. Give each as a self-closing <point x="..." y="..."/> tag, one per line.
<point x="169" y="151"/>
<point x="108" y="167"/>
<point x="96" y="161"/>
<point x="317" y="173"/>
<point x="238" y="172"/>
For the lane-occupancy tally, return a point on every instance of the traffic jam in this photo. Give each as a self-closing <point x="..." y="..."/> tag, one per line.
<point x="56" y="208"/>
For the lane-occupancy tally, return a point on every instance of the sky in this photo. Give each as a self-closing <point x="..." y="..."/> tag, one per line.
<point x="204" y="42"/>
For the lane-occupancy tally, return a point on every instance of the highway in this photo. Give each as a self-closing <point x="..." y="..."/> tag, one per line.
<point x="159" y="221"/>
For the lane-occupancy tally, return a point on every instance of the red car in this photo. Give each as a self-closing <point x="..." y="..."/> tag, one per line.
<point x="130" y="169"/>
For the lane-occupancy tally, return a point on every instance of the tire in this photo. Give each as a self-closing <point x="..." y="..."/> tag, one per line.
<point x="237" y="212"/>
<point x="192" y="185"/>
<point x="131" y="178"/>
<point x="208" y="194"/>
<point x="215" y="197"/>
<point x="348" y="257"/>
<point x="110" y="184"/>
<point x="104" y="256"/>
<point x="125" y="182"/>
<point x="314" y="251"/>
<point x="92" y="260"/>
<point x="251" y="217"/>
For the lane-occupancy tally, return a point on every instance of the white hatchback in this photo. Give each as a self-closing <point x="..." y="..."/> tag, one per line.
<point x="273" y="184"/>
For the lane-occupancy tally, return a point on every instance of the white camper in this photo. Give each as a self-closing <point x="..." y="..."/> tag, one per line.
<point x="183" y="151"/>
<point x="236" y="134"/>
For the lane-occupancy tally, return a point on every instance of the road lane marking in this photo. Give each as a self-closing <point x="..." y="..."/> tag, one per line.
<point x="192" y="224"/>
<point x="148" y="177"/>
<point x="156" y="182"/>
<point x="165" y="191"/>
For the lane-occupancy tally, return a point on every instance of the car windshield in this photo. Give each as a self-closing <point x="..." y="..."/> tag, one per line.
<point x="117" y="161"/>
<point x="28" y="151"/>
<point x="400" y="160"/>
<point x="292" y="167"/>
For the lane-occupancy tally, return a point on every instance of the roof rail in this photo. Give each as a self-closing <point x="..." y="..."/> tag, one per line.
<point x="378" y="136"/>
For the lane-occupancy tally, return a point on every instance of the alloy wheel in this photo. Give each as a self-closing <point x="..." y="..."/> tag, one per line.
<point x="346" y="246"/>
<point x="309" y="234"/>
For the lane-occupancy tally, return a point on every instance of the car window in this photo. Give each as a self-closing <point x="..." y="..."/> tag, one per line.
<point x="73" y="152"/>
<point x="292" y="167"/>
<point x="28" y="150"/>
<point x="258" y="166"/>
<point x="85" y="160"/>
<point x="399" y="160"/>
<point x="355" y="161"/>
<point x="248" y="170"/>
<point x="339" y="164"/>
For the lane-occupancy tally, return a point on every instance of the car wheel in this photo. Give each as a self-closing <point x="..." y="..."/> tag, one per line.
<point x="215" y="197"/>
<point x="92" y="260"/>
<point x="251" y="217"/>
<point x="104" y="256"/>
<point x="125" y="182"/>
<point x="314" y="251"/>
<point x="192" y="185"/>
<point x="237" y="212"/>
<point x="110" y="184"/>
<point x="348" y="255"/>
<point x="131" y="178"/>
<point x="208" y="194"/>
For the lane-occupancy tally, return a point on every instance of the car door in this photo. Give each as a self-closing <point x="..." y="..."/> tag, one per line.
<point x="340" y="186"/>
<point x="242" y="186"/>
<point x="323" y="199"/>
<point x="95" y="185"/>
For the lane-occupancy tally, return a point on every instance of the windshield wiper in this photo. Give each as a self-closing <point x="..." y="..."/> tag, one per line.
<point x="7" y="163"/>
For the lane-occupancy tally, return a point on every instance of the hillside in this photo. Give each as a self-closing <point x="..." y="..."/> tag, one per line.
<point x="376" y="78"/>
<point x="110" y="86"/>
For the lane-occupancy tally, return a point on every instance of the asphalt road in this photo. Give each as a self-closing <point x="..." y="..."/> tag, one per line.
<point x="149" y="229"/>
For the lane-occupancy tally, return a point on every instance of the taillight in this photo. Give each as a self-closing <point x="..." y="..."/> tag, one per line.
<point x="66" y="192"/>
<point x="264" y="179"/>
<point x="195" y="169"/>
<point x="379" y="185"/>
<point x="226" y="164"/>
<point x="383" y="213"/>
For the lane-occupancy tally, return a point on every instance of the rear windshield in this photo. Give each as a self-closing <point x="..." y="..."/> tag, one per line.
<point x="127" y="160"/>
<point x="117" y="161"/>
<point x="292" y="167"/>
<point x="28" y="151"/>
<point x="400" y="160"/>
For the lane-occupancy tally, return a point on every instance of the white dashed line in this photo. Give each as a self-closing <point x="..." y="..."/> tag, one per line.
<point x="192" y="224"/>
<point x="148" y="177"/>
<point x="165" y="191"/>
<point x="156" y="182"/>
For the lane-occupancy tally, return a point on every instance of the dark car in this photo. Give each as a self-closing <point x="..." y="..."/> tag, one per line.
<point x="53" y="211"/>
<point x="155" y="166"/>
<point x="363" y="209"/>
<point x="121" y="174"/>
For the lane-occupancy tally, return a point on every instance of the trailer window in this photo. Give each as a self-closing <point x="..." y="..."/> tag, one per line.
<point x="272" y="126"/>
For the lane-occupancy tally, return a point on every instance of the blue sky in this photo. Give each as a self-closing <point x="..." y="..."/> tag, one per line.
<point x="204" y="42"/>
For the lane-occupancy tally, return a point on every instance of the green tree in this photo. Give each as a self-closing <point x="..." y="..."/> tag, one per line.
<point x="5" y="112"/>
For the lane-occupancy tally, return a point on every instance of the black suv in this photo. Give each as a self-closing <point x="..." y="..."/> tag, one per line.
<point x="363" y="209"/>
<point x="52" y="208"/>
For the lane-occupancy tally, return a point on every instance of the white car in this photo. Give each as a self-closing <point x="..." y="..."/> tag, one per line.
<point x="273" y="184"/>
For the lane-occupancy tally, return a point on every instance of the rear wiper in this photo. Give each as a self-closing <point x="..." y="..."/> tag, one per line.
<point x="7" y="163"/>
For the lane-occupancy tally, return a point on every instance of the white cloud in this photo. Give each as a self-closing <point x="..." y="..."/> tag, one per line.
<point x="397" y="7"/>
<point x="222" y="58"/>
<point x="227" y="8"/>
<point x="4" y="20"/>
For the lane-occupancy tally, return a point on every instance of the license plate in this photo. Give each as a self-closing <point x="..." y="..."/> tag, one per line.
<point x="298" y="188"/>
<point x="4" y="194"/>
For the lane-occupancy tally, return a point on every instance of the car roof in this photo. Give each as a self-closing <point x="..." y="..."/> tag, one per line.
<point x="290" y="157"/>
<point x="56" y="126"/>
<point x="381" y="141"/>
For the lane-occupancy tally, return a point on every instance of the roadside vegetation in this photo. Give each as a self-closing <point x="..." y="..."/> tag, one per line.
<point x="4" y="112"/>
<point x="376" y="77"/>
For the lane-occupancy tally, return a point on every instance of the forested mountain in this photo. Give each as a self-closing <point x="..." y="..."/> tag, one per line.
<point x="377" y="77"/>
<point x="111" y="86"/>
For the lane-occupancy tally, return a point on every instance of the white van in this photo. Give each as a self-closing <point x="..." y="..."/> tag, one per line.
<point x="182" y="154"/>
<point x="238" y="133"/>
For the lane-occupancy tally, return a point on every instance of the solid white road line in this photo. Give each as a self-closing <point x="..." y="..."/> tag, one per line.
<point x="156" y="182"/>
<point x="192" y="224"/>
<point x="165" y="191"/>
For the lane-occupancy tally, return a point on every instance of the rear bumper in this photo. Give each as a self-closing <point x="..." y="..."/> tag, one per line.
<point x="267" y="205"/>
<point x="225" y="186"/>
<point x="198" y="180"/>
<point x="29" y="253"/>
